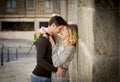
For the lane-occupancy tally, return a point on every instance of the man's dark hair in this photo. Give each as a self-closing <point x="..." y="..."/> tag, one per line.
<point x="57" y="20"/>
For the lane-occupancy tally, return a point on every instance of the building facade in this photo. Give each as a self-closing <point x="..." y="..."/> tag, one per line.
<point x="28" y="15"/>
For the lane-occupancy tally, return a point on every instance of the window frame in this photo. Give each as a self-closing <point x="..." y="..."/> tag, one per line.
<point x="11" y="6"/>
<point x="48" y="9"/>
<point x="27" y="4"/>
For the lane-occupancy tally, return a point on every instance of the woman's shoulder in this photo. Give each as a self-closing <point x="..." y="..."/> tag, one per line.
<point x="70" y="47"/>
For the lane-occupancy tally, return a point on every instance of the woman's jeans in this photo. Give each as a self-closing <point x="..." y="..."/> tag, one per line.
<point x="35" y="78"/>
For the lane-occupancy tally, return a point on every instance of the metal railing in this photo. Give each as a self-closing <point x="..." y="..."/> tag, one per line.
<point x="7" y="52"/>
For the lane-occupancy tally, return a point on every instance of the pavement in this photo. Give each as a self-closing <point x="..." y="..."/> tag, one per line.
<point x="17" y="70"/>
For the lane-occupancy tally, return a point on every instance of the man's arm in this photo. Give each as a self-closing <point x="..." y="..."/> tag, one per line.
<point x="41" y="51"/>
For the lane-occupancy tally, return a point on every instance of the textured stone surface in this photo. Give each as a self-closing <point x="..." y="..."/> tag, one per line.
<point x="86" y="3"/>
<point x="106" y="4"/>
<point x="85" y="23"/>
<point x="56" y="6"/>
<point x="21" y="7"/>
<point x="86" y="44"/>
<point x="84" y="64"/>
<point x="106" y="69"/>
<point x="72" y="11"/>
<point x="63" y="8"/>
<point x="119" y="51"/>
<point x="99" y="48"/>
<point x="73" y="72"/>
<point x="105" y="32"/>
<point x="2" y="7"/>
<point x="23" y="10"/>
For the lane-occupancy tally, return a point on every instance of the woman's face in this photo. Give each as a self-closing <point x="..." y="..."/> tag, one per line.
<point x="64" y="33"/>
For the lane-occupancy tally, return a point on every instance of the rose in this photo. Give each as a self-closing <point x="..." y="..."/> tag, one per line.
<point x="41" y="31"/>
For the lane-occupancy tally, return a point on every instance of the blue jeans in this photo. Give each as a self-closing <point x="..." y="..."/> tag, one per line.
<point x="35" y="78"/>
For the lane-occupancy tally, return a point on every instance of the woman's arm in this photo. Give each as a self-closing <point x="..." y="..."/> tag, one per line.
<point x="64" y="56"/>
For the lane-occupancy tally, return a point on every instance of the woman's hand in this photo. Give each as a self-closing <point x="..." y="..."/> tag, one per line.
<point x="60" y="71"/>
<point x="51" y="40"/>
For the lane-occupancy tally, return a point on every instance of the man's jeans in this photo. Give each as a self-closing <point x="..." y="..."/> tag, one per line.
<point x="35" y="78"/>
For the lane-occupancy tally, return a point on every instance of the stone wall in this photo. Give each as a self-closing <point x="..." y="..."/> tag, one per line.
<point x="56" y="6"/>
<point x="119" y="40"/>
<point x="71" y="16"/>
<point x="98" y="47"/>
<point x="72" y="11"/>
<point x="119" y="52"/>
<point x="2" y="7"/>
<point x="21" y="8"/>
<point x="106" y="46"/>
<point x="86" y="43"/>
<point x="63" y="8"/>
<point x="0" y="26"/>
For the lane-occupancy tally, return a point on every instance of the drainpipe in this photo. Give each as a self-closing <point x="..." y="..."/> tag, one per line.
<point x="77" y="11"/>
<point x="77" y="51"/>
<point x="36" y="17"/>
<point x="67" y="10"/>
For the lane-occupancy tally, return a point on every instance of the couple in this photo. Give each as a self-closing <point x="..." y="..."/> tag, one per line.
<point x="52" y="60"/>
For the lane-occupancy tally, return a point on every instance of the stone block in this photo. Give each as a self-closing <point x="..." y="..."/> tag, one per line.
<point x="85" y="27"/>
<point x="106" y="69"/>
<point x="73" y="72"/>
<point x="105" y="32"/>
<point x="85" y="63"/>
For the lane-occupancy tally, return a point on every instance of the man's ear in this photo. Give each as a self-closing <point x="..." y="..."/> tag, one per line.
<point x="53" y="25"/>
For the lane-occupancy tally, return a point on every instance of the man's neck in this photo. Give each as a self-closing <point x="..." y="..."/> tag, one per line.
<point x="49" y="32"/>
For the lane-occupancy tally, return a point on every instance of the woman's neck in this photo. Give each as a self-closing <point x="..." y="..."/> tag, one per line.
<point x="65" y="43"/>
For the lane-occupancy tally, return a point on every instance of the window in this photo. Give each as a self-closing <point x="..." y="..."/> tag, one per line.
<point x="11" y="6"/>
<point x="43" y="24"/>
<point x="17" y="26"/>
<point x="49" y="6"/>
<point x="30" y="4"/>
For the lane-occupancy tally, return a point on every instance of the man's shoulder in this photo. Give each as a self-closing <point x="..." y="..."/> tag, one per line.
<point x="43" y="38"/>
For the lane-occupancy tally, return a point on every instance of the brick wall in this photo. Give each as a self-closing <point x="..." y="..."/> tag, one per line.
<point x="2" y="6"/>
<point x="22" y="8"/>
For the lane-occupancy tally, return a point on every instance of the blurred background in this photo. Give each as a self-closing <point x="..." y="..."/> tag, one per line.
<point x="98" y="56"/>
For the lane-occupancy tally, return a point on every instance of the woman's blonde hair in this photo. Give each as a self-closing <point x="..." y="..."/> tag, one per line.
<point x="73" y="34"/>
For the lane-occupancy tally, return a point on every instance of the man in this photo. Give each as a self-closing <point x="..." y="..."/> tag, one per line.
<point x="44" y="67"/>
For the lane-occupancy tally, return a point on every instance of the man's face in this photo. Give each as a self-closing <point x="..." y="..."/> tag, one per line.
<point x="57" y="29"/>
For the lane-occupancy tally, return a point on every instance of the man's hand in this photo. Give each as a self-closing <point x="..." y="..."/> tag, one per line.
<point x="60" y="71"/>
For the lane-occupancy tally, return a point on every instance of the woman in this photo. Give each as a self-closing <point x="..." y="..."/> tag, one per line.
<point x="63" y="54"/>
